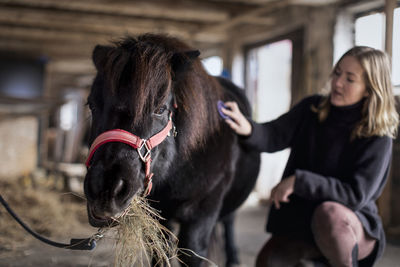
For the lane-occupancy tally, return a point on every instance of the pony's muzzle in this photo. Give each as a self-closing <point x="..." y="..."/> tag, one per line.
<point x="109" y="191"/>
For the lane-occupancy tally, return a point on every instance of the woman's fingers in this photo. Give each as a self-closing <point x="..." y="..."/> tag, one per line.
<point x="231" y="114"/>
<point x="285" y="197"/>
<point x="279" y="194"/>
<point x="238" y="122"/>
<point x="277" y="205"/>
<point x="232" y="105"/>
<point x="232" y="110"/>
<point x="274" y="198"/>
<point x="234" y="126"/>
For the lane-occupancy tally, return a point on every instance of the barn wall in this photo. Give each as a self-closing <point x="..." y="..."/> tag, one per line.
<point x="328" y="33"/>
<point x="18" y="146"/>
<point x="318" y="25"/>
<point x="315" y="47"/>
<point x="318" y="50"/>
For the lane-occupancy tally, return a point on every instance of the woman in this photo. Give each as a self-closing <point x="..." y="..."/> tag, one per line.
<point x="341" y="147"/>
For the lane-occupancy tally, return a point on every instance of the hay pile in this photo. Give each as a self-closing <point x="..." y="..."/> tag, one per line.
<point x="48" y="212"/>
<point x="138" y="238"/>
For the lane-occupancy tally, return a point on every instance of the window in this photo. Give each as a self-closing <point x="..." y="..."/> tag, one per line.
<point x="21" y="78"/>
<point x="213" y="65"/>
<point x="396" y="48"/>
<point x="68" y="115"/>
<point x="268" y="87"/>
<point x="370" y="31"/>
<point x="269" y="79"/>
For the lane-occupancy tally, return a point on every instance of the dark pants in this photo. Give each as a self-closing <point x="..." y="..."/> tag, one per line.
<point x="339" y="238"/>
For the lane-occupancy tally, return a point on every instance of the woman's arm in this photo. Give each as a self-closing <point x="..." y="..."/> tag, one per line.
<point x="365" y="182"/>
<point x="270" y="136"/>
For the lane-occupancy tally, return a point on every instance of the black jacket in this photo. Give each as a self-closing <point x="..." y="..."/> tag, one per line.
<point x="328" y="166"/>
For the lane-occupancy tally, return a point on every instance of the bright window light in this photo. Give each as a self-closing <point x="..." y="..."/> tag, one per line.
<point x="370" y="31"/>
<point x="396" y="48"/>
<point x="68" y="115"/>
<point x="213" y="65"/>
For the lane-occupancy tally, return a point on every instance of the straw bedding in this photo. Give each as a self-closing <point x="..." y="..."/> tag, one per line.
<point x="138" y="237"/>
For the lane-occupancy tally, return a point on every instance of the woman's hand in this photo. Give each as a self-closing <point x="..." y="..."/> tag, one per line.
<point x="238" y="121"/>
<point x="282" y="191"/>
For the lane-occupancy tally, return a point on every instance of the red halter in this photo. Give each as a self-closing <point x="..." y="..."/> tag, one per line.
<point x="118" y="135"/>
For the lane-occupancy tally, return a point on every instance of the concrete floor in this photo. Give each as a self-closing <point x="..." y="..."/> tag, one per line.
<point x="250" y="236"/>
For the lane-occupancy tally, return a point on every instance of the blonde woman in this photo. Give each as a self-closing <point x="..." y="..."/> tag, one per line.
<point x="341" y="147"/>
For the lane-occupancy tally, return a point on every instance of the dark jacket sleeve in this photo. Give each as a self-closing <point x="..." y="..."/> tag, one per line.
<point x="278" y="134"/>
<point x="365" y="182"/>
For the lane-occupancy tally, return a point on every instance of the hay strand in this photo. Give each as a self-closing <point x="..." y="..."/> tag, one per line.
<point x="140" y="238"/>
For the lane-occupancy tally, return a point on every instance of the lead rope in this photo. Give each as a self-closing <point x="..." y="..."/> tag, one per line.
<point x="75" y="244"/>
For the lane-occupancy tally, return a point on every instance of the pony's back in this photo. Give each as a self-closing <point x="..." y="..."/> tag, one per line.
<point x="249" y="161"/>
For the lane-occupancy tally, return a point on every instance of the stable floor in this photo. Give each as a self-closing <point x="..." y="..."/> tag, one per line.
<point x="250" y="236"/>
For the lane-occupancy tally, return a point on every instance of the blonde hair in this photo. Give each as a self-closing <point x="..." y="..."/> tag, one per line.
<point x="379" y="115"/>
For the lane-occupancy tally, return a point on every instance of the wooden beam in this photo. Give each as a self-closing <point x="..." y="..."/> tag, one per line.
<point x="108" y="24"/>
<point x="59" y="50"/>
<point x="38" y="34"/>
<point x="314" y="3"/>
<point x="74" y="66"/>
<point x="159" y="10"/>
<point x="264" y="21"/>
<point x="54" y="28"/>
<point x="251" y="2"/>
<point x="75" y="39"/>
<point x="248" y="16"/>
<point x="390" y="5"/>
<point x="52" y="50"/>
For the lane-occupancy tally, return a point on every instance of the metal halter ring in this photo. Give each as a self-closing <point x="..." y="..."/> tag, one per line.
<point x="144" y="157"/>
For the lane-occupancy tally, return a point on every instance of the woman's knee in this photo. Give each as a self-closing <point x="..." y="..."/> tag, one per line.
<point x="330" y="218"/>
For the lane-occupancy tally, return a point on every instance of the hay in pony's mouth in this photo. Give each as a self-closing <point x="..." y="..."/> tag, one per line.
<point x="140" y="238"/>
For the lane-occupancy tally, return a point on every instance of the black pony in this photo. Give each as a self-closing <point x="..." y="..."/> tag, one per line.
<point x="152" y="84"/>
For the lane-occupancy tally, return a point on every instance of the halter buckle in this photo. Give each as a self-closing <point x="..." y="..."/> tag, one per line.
<point x="147" y="153"/>
<point x="173" y="132"/>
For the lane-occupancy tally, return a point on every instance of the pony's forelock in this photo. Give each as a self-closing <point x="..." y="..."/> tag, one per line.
<point x="137" y="70"/>
<point x="141" y="68"/>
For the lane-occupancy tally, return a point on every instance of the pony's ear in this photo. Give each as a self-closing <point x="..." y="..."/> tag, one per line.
<point x="182" y="61"/>
<point x="99" y="54"/>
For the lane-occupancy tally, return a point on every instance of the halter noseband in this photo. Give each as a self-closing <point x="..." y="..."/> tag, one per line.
<point x="143" y="146"/>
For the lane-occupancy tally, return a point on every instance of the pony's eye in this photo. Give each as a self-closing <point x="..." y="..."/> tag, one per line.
<point x="160" y="110"/>
<point x="91" y="107"/>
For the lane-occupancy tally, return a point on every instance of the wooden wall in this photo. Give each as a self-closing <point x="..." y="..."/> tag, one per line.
<point x="18" y="146"/>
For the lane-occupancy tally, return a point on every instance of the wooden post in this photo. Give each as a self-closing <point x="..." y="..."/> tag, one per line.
<point x="227" y="57"/>
<point x="389" y="11"/>
<point x="384" y="202"/>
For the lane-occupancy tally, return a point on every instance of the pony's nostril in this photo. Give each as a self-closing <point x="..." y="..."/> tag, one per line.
<point x="119" y="187"/>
